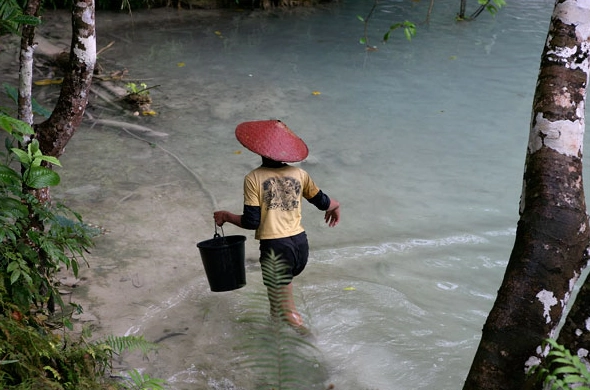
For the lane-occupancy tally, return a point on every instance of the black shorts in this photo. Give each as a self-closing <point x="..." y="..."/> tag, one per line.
<point x="292" y="251"/>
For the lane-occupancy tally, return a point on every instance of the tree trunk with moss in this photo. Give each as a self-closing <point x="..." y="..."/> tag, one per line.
<point x="553" y="232"/>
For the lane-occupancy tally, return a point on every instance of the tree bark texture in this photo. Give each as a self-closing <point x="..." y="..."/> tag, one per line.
<point x="54" y="133"/>
<point x="553" y="231"/>
<point x="27" y="48"/>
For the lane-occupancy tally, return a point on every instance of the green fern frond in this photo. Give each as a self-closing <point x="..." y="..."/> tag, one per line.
<point x="562" y="370"/>
<point x="53" y="372"/>
<point x="128" y="343"/>
<point x="280" y="357"/>
<point x="273" y="271"/>
<point x="139" y="381"/>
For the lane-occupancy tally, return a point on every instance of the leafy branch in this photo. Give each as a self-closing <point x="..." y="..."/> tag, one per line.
<point x="492" y="6"/>
<point x="11" y="17"/>
<point x="408" y="27"/>
<point x="141" y="89"/>
<point x="409" y="30"/>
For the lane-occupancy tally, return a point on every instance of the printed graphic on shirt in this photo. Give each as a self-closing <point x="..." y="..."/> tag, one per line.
<point x="281" y="193"/>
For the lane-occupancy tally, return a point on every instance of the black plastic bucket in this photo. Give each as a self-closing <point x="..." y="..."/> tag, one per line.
<point x="223" y="259"/>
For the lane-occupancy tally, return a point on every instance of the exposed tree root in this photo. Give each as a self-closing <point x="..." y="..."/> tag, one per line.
<point x="128" y="127"/>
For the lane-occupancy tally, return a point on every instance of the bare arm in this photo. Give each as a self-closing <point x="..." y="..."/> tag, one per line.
<point x="223" y="216"/>
<point x="332" y="216"/>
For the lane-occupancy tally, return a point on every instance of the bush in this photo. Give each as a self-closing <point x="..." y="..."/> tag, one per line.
<point x="37" y="239"/>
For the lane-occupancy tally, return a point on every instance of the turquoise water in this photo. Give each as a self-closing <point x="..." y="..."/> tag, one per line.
<point x="422" y="142"/>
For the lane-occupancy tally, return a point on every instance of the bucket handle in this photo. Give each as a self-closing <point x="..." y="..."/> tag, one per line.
<point x="216" y="235"/>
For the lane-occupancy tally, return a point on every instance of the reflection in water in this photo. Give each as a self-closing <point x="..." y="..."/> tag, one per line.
<point x="422" y="142"/>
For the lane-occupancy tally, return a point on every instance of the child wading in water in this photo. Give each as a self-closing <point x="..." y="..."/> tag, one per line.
<point x="272" y="205"/>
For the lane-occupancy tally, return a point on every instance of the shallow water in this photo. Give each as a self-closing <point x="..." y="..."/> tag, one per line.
<point x="422" y="142"/>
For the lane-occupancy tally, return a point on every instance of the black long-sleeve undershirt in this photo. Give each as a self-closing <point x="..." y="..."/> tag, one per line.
<point x="251" y="214"/>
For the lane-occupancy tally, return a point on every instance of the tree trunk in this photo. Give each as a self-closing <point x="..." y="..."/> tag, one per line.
<point x="54" y="133"/>
<point x="553" y="232"/>
<point x="27" y="48"/>
<point x="58" y="129"/>
<point x="462" y="9"/>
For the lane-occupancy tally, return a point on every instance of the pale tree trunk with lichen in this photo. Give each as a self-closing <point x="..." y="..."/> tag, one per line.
<point x="58" y="129"/>
<point x="553" y="233"/>
<point x="54" y="133"/>
<point x="27" y="49"/>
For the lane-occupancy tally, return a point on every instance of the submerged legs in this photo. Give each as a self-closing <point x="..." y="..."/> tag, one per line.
<point x="282" y="307"/>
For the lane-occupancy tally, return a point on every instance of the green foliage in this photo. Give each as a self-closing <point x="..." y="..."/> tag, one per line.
<point x="492" y="5"/>
<point x="35" y="175"/>
<point x="408" y="27"/>
<point x="141" y="89"/>
<point x="562" y="370"/>
<point x="409" y="30"/>
<point x="33" y="357"/>
<point x="11" y="17"/>
<point x="12" y="92"/>
<point x="129" y="343"/>
<point x="115" y="345"/>
<point x="36" y="240"/>
<point x="16" y="128"/>
<point x="282" y="358"/>
<point x="139" y="381"/>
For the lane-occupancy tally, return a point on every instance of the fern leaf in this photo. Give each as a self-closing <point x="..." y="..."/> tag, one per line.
<point x="129" y="343"/>
<point x="281" y="358"/>
<point x="570" y="369"/>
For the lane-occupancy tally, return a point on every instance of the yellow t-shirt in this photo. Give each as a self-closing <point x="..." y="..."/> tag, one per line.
<point x="278" y="192"/>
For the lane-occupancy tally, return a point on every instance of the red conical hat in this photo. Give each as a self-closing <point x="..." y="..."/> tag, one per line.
<point x="272" y="139"/>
